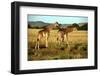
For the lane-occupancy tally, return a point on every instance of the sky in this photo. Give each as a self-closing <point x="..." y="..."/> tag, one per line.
<point x="59" y="19"/>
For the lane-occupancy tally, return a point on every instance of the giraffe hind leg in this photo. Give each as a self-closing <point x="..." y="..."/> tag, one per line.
<point x="46" y="44"/>
<point x="68" y="44"/>
<point x="37" y="44"/>
<point x="67" y="41"/>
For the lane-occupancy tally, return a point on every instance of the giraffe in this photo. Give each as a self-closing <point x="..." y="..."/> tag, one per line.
<point x="63" y="34"/>
<point x="45" y="33"/>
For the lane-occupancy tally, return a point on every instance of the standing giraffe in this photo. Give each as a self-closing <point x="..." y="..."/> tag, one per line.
<point x="44" y="33"/>
<point x="63" y="34"/>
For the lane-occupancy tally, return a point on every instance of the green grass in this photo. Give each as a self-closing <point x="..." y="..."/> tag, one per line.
<point x="77" y="50"/>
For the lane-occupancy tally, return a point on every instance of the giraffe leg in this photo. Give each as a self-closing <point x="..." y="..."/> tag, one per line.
<point x="38" y="45"/>
<point x="62" y="42"/>
<point x="59" y="39"/>
<point x="67" y="41"/>
<point x="46" y="38"/>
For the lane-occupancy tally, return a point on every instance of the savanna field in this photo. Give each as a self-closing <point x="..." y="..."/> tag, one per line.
<point x="77" y="41"/>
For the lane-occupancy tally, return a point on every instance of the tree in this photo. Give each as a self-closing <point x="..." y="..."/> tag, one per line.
<point x="75" y="25"/>
<point x="29" y="26"/>
<point x="84" y="27"/>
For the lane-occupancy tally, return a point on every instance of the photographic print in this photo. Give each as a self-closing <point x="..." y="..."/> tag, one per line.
<point x="52" y="37"/>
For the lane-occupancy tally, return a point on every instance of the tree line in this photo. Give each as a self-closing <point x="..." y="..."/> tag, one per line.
<point x="79" y="27"/>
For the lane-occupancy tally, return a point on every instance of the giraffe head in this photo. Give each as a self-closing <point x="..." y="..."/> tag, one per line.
<point x="56" y="24"/>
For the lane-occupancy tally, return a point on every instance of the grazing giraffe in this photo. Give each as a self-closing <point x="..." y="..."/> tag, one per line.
<point x="63" y="34"/>
<point x="44" y="33"/>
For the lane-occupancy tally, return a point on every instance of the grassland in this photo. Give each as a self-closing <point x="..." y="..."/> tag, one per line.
<point x="77" y="41"/>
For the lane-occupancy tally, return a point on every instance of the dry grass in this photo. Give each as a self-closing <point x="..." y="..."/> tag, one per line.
<point x="77" y="40"/>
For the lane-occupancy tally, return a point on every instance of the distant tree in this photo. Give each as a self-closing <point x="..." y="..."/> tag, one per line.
<point x="29" y="26"/>
<point x="84" y="27"/>
<point x="36" y="27"/>
<point x="75" y="25"/>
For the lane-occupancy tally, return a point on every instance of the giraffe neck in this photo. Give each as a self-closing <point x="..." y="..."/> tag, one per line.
<point x="49" y="27"/>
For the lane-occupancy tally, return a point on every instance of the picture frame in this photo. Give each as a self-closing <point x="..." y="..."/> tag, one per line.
<point x="19" y="10"/>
